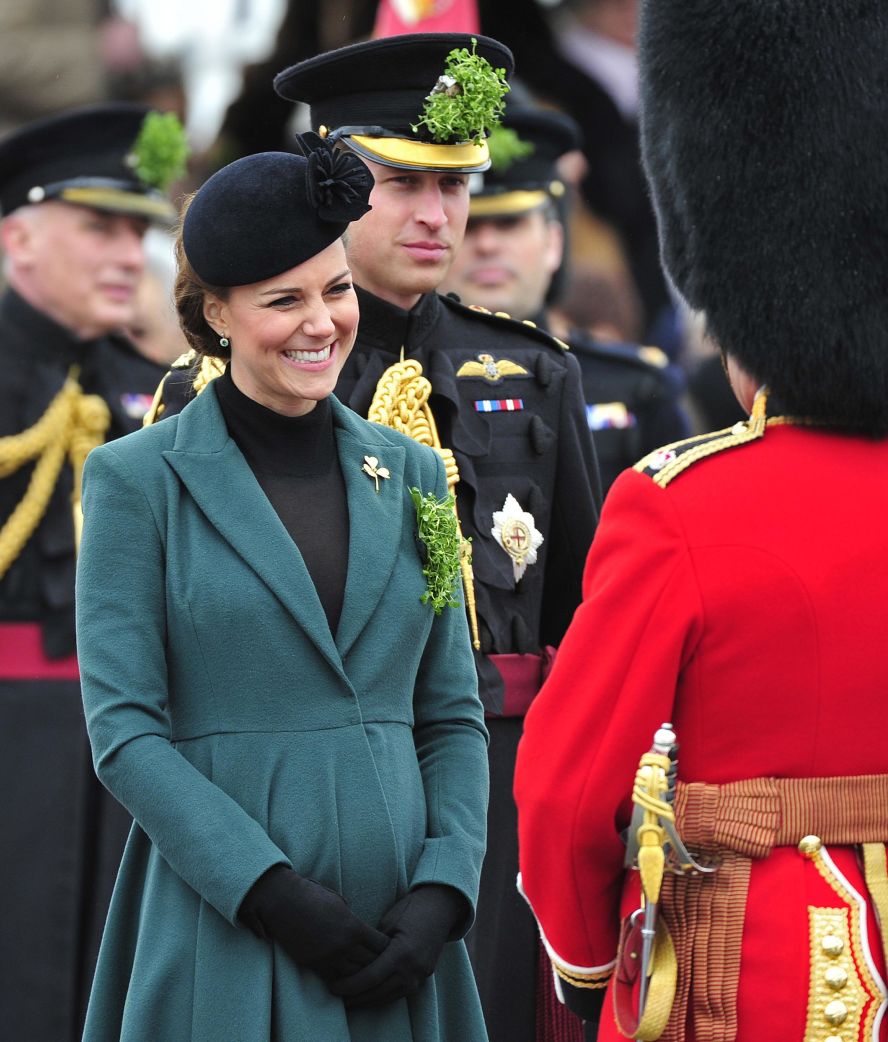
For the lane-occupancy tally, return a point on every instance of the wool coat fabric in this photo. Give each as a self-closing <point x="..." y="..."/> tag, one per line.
<point x="241" y="733"/>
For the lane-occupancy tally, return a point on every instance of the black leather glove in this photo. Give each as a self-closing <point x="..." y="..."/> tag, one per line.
<point x="418" y="924"/>
<point x="313" y="925"/>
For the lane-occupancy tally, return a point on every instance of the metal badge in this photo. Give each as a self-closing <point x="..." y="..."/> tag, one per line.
<point x="662" y="459"/>
<point x="515" y="531"/>
<point x="372" y="469"/>
<point x="491" y="369"/>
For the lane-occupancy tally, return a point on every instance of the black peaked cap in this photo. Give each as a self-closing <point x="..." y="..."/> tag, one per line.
<point x="551" y="134"/>
<point x="381" y="82"/>
<point x="763" y="134"/>
<point x="84" y="148"/>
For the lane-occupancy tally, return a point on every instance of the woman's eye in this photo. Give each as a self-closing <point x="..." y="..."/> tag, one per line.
<point x="282" y="302"/>
<point x="342" y="287"/>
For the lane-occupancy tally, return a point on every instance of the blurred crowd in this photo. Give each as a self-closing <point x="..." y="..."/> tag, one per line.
<point x="213" y="65"/>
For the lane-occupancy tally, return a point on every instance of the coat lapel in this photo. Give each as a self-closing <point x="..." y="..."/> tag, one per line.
<point x="375" y="520"/>
<point x="220" y="481"/>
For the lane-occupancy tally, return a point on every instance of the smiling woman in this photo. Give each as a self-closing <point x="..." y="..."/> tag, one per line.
<point x="290" y="335"/>
<point x="293" y="725"/>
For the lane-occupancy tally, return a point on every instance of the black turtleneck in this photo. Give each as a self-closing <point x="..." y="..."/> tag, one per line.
<point x="295" y="461"/>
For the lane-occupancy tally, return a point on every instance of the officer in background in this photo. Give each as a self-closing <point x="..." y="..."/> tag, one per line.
<point x="505" y="398"/>
<point x="77" y="192"/>
<point x="512" y="252"/>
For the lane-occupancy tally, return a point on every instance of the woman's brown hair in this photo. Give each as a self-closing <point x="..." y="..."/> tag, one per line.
<point x="189" y="293"/>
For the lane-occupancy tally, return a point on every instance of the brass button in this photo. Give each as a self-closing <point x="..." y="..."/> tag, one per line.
<point x="836" y="1012"/>
<point x="832" y="945"/>
<point x="810" y="845"/>
<point x="502" y="314"/>
<point x="836" y="977"/>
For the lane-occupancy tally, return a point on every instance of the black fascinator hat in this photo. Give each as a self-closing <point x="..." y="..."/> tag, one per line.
<point x="269" y="212"/>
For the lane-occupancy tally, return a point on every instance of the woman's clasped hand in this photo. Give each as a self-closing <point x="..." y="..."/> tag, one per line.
<point x="363" y="965"/>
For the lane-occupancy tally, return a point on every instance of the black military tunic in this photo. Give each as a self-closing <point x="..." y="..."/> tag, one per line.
<point x="62" y="834"/>
<point x="539" y="451"/>
<point x="632" y="401"/>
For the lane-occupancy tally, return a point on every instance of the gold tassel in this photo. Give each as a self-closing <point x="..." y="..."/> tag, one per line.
<point x="401" y="401"/>
<point x="72" y="425"/>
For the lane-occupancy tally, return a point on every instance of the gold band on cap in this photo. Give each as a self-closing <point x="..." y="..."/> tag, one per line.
<point x="422" y="155"/>
<point x="504" y="204"/>
<point x="119" y="201"/>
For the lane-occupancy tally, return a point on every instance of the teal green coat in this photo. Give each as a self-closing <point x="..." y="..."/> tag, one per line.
<point x="241" y="734"/>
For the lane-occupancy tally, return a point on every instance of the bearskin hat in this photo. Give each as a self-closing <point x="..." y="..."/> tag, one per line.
<point x="764" y="125"/>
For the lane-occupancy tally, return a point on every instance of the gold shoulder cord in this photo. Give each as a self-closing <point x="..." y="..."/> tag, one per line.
<point x="73" y="424"/>
<point x="209" y="368"/>
<point x="401" y="402"/>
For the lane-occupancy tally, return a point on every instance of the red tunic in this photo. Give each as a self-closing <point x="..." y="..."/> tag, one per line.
<point x="746" y="602"/>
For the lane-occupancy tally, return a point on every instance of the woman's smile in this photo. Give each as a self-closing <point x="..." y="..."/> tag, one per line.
<point x="311" y="358"/>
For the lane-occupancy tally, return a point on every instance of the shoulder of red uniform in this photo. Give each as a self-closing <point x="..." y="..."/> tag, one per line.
<point x="504" y="323"/>
<point x="665" y="464"/>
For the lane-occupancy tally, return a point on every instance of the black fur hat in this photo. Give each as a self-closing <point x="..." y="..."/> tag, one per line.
<point x="764" y="126"/>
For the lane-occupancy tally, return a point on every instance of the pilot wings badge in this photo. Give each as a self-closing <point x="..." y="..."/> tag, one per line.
<point x="514" y="530"/>
<point x="491" y="369"/>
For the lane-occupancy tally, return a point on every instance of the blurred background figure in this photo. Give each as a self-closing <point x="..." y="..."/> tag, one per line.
<point x="513" y="260"/>
<point x="77" y="192"/>
<point x="154" y="329"/>
<point x="580" y="55"/>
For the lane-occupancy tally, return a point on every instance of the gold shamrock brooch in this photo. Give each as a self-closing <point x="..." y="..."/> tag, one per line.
<point x="372" y="468"/>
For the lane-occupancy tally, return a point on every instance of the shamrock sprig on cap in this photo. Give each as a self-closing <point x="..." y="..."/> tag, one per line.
<point x="467" y="101"/>
<point x="160" y="151"/>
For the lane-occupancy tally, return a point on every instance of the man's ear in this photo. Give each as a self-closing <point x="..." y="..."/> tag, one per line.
<point x="17" y="239"/>
<point x="553" y="254"/>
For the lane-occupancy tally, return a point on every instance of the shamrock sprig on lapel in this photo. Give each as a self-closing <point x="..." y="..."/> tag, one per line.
<point x="438" y="530"/>
<point x="372" y="467"/>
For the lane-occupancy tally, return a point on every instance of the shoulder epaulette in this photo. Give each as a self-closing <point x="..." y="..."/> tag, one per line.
<point x="202" y="372"/>
<point x="187" y="360"/>
<point x="504" y="319"/>
<point x="644" y="358"/>
<point x="654" y="356"/>
<point x="665" y="464"/>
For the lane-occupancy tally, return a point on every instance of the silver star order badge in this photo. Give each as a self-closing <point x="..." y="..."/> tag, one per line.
<point x="514" y="530"/>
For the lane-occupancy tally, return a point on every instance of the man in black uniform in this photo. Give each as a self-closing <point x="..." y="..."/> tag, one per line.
<point x="506" y="399"/>
<point x="73" y="215"/>
<point x="513" y="248"/>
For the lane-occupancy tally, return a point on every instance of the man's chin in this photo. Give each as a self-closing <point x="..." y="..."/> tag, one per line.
<point x="110" y="318"/>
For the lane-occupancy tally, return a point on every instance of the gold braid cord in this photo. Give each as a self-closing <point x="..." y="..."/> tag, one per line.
<point x="73" y="424"/>
<point x="401" y="401"/>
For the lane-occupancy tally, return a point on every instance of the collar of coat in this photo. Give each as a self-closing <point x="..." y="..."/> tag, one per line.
<point x="220" y="481"/>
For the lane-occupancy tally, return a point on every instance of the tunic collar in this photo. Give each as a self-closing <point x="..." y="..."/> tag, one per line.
<point x="43" y="339"/>
<point x="386" y="327"/>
